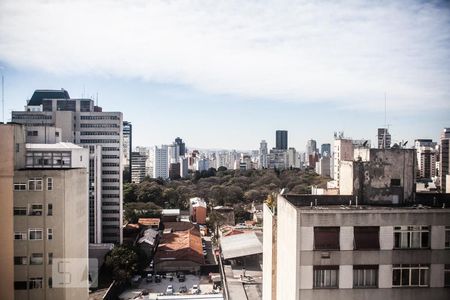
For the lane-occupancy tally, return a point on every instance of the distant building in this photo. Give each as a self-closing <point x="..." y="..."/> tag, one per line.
<point x="174" y="171"/>
<point x="127" y="147"/>
<point x="227" y="213"/>
<point x="281" y="138"/>
<point x="325" y="150"/>
<point x="138" y="167"/>
<point x="320" y="247"/>
<point x="184" y="167"/>
<point x="323" y="166"/>
<point x="293" y="161"/>
<point x="160" y="162"/>
<point x="444" y="155"/>
<point x="278" y="159"/>
<point x="197" y="210"/>
<point x="263" y="152"/>
<point x="426" y="158"/>
<point x="384" y="138"/>
<point x="311" y="148"/>
<point x="181" y="146"/>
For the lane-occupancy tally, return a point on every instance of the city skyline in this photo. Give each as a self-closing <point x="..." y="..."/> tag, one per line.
<point x="240" y="79"/>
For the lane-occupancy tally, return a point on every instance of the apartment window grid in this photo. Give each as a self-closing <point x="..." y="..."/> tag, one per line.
<point x="407" y="275"/>
<point x="20" y="260"/>
<point x="326" y="238"/>
<point x="60" y="159"/>
<point x="35" y="283"/>
<point x="50" y="258"/>
<point x="35" y="184"/>
<point x="35" y="234"/>
<point x="36" y="259"/>
<point x="365" y="276"/>
<point x="20" y="235"/>
<point x="36" y="209"/>
<point x="407" y="237"/>
<point x="49" y="209"/>
<point x="326" y="277"/>
<point x="20" y="186"/>
<point x="20" y="211"/>
<point x="49" y="184"/>
<point x="49" y="233"/>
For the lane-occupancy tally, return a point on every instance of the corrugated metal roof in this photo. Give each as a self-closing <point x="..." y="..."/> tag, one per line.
<point x="240" y="245"/>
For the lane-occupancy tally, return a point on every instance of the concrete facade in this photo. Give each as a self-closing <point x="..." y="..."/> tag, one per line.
<point x="298" y="260"/>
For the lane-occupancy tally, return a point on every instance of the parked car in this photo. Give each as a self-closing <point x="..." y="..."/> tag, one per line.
<point x="169" y="290"/>
<point x="183" y="289"/>
<point x="149" y="278"/>
<point x="169" y="276"/>
<point x="195" y="289"/>
<point x="181" y="277"/>
<point x="157" y="278"/>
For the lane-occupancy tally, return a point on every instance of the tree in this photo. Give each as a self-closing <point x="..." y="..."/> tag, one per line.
<point x="150" y="192"/>
<point x="123" y="262"/>
<point x="171" y="196"/>
<point x="130" y="192"/>
<point x="222" y="169"/>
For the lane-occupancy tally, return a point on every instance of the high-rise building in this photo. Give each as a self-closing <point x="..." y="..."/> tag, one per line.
<point x="325" y="150"/>
<point x="263" y="152"/>
<point x="101" y="132"/>
<point x="311" y="153"/>
<point x="426" y="158"/>
<point x="444" y="156"/>
<point x="317" y="247"/>
<point x="138" y="166"/>
<point x="384" y="138"/>
<point x="281" y="138"/>
<point x="48" y="204"/>
<point x="160" y="162"/>
<point x="181" y="146"/>
<point x="293" y="161"/>
<point x="127" y="148"/>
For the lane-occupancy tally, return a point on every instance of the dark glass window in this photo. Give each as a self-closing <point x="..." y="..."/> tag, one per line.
<point x="326" y="277"/>
<point x="20" y="285"/>
<point x="395" y="182"/>
<point x="367" y="237"/>
<point x="326" y="238"/>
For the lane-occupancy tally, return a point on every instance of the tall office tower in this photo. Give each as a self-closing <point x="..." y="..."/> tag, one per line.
<point x="181" y="146"/>
<point x="160" y="162"/>
<point x="426" y="158"/>
<point x="342" y="151"/>
<point x="444" y="155"/>
<point x="49" y="188"/>
<point x="281" y="139"/>
<point x="138" y="167"/>
<point x="101" y="132"/>
<point x="384" y="138"/>
<point x="127" y="148"/>
<point x="311" y="151"/>
<point x="263" y="152"/>
<point x="325" y="150"/>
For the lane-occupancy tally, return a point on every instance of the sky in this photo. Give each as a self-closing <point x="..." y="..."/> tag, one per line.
<point x="227" y="74"/>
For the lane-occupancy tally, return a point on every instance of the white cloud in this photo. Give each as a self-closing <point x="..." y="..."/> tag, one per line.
<point x="346" y="53"/>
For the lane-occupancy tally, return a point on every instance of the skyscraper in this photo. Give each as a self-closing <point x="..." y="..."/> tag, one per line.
<point x="325" y="150"/>
<point x="426" y="158"/>
<point x="160" y="162"/>
<point x="281" y="139"/>
<point x="384" y="138"/>
<point x="87" y="125"/>
<point x="263" y="154"/>
<point x="181" y="146"/>
<point x="311" y="153"/>
<point x="127" y="149"/>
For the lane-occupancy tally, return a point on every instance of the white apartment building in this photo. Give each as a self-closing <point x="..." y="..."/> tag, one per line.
<point x="101" y="132"/>
<point x="426" y="158"/>
<point x="263" y="152"/>
<point x="317" y="247"/>
<point x="160" y="162"/>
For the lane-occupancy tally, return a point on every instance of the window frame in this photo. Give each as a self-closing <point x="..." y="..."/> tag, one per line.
<point x="22" y="234"/>
<point x="21" y="209"/>
<point x="36" y="211"/>
<point x="35" y="283"/>
<point x="365" y="269"/>
<point x="49" y="183"/>
<point x="320" y="245"/>
<point x="20" y="187"/>
<point x="325" y="273"/>
<point x="408" y="233"/>
<point x="358" y="240"/>
<point x="409" y="269"/>
<point x="34" y="183"/>
<point x="40" y="258"/>
<point x="35" y="230"/>
<point x="447" y="237"/>
<point x="49" y="234"/>
<point x="20" y="260"/>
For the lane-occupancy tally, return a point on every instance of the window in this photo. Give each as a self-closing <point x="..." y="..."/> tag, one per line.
<point x="395" y="182"/>
<point x="326" y="238"/>
<point x="35" y="283"/>
<point x="35" y="234"/>
<point x="20" y="260"/>
<point x="50" y="258"/>
<point x="447" y="236"/>
<point x="20" y="211"/>
<point x="35" y="184"/>
<point x="36" y="210"/>
<point x="367" y="237"/>
<point x="50" y="233"/>
<point x="20" y="186"/>
<point x="50" y="282"/>
<point x="49" y="209"/>
<point x="410" y="275"/>
<point x="36" y="259"/>
<point x="19" y="235"/>
<point x="326" y="276"/>
<point x="20" y="285"/>
<point x="56" y="134"/>
<point x="49" y="184"/>
<point x="365" y="276"/>
<point x="447" y="275"/>
<point x="32" y="133"/>
<point x="411" y="237"/>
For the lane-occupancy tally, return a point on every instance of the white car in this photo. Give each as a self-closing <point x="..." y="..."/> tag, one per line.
<point x="195" y="289"/>
<point x="169" y="290"/>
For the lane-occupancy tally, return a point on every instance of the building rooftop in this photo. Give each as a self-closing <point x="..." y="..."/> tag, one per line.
<point x="149" y="237"/>
<point x="170" y="212"/>
<point x="239" y="245"/>
<point x="40" y="95"/>
<point x="180" y="245"/>
<point x="149" y="221"/>
<point x="198" y="202"/>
